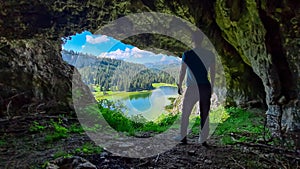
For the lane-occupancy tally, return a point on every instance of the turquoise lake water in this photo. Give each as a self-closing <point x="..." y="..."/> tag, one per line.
<point x="149" y="105"/>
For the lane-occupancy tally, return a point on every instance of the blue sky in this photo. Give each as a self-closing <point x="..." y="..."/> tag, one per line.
<point x="104" y="46"/>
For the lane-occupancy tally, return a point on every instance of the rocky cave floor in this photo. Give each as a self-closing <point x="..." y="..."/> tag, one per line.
<point x="24" y="149"/>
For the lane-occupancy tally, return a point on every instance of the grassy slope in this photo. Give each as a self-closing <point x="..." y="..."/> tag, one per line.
<point x="117" y="94"/>
<point x="157" y="85"/>
<point x="234" y="124"/>
<point x="122" y="94"/>
<point x="237" y="125"/>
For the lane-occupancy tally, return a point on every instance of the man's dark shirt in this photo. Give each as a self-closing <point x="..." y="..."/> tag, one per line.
<point x="197" y="65"/>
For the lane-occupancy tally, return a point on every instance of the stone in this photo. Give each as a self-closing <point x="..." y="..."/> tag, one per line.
<point x="290" y="118"/>
<point x="274" y="110"/>
<point x="192" y="152"/>
<point x="70" y="163"/>
<point x="207" y="161"/>
<point x="104" y="154"/>
<point x="282" y="100"/>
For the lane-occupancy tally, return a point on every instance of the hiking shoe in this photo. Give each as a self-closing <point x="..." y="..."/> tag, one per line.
<point x="205" y="144"/>
<point x="180" y="139"/>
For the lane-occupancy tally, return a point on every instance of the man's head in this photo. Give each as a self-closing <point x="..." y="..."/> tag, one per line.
<point x="197" y="38"/>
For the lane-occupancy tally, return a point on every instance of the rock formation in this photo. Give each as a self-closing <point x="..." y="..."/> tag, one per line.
<point x="258" y="42"/>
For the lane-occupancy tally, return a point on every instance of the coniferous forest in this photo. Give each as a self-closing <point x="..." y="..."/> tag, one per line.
<point x="117" y="75"/>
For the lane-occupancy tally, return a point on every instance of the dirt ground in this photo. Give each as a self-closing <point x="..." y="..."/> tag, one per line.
<point x="23" y="149"/>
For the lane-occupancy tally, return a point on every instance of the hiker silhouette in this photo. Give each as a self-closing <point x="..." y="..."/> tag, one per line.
<point x="195" y="65"/>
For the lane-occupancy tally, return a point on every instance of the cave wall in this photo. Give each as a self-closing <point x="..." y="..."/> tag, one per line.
<point x="264" y="34"/>
<point x="258" y="42"/>
<point x="34" y="78"/>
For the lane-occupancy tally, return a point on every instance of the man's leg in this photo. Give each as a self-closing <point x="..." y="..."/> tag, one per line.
<point x="204" y="103"/>
<point x="190" y="98"/>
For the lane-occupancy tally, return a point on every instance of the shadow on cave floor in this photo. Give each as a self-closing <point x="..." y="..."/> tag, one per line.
<point x="24" y="143"/>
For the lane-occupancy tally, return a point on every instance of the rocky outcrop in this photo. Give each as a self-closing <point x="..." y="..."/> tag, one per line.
<point x="71" y="163"/>
<point x="258" y="32"/>
<point x="34" y="77"/>
<point x="258" y="42"/>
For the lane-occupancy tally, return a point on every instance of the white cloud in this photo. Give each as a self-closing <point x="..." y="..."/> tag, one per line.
<point x="96" y="40"/>
<point x="83" y="46"/>
<point x="127" y="53"/>
<point x="118" y="54"/>
<point x="136" y="55"/>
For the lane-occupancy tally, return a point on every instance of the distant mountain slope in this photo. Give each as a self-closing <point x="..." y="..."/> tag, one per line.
<point x="112" y="74"/>
<point x="77" y="59"/>
<point x="171" y="67"/>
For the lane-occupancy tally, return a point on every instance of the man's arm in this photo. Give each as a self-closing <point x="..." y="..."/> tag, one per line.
<point x="212" y="70"/>
<point x="181" y="77"/>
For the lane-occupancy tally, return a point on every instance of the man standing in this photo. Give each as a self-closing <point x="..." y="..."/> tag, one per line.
<point x="196" y="63"/>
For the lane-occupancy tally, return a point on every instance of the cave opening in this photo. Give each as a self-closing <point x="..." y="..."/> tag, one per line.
<point x="139" y="81"/>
